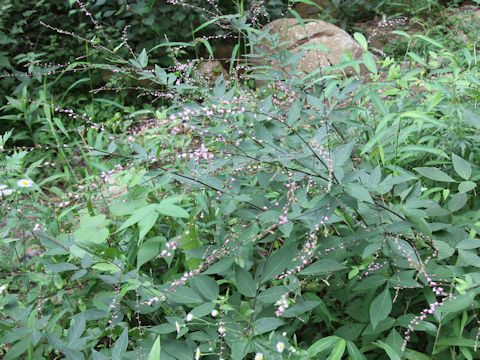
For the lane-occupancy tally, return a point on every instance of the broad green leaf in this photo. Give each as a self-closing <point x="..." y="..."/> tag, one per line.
<point x="244" y="282"/>
<point x="148" y="250"/>
<point x="378" y="103"/>
<point x="169" y="209"/>
<point x="109" y="267"/>
<point x="146" y="224"/>
<point x="466" y="186"/>
<point x="155" y="350"/>
<point x="361" y="40"/>
<point x="138" y="215"/>
<point x="417" y="58"/>
<point x="278" y="261"/>
<point x="185" y="295"/>
<point x="469" y="258"/>
<point x="143" y="58"/>
<point x="189" y="241"/>
<point x="468" y="244"/>
<point x="338" y="350"/>
<point x="359" y="192"/>
<point x="462" y="167"/>
<point x="434" y="174"/>
<point x="392" y="355"/>
<point x="322" y="345"/>
<point x="206" y="286"/>
<point x="121" y="345"/>
<point x="380" y="307"/>
<point x="354" y="353"/>
<point x="369" y="62"/>
<point x="457" y="202"/>
<point x="415" y="355"/>
<point x="300" y="307"/>
<point x="471" y="118"/>
<point x="271" y="295"/>
<point x="92" y="230"/>
<point x="323" y="266"/>
<point x="267" y="324"/>
<point x="203" y="310"/>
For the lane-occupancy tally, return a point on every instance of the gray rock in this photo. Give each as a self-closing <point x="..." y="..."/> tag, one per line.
<point x="311" y="37"/>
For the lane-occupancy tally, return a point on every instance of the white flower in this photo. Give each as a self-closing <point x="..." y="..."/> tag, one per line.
<point x="4" y="190"/>
<point x="214" y="313"/>
<point x="177" y="326"/>
<point x="2" y="288"/>
<point x="221" y="330"/>
<point x="197" y="354"/>
<point x="280" y="346"/>
<point x="259" y="356"/>
<point x="189" y="317"/>
<point x="24" y="183"/>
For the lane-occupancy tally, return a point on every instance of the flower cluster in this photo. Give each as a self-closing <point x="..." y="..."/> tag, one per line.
<point x="282" y="304"/>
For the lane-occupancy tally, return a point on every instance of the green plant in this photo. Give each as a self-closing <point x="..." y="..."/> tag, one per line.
<point x="324" y="216"/>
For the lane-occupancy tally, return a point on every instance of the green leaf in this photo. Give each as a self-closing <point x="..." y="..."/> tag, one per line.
<point x="169" y="209"/>
<point x="190" y="241"/>
<point x="271" y="295"/>
<point x="429" y="40"/>
<point x="462" y="167"/>
<point x="92" y="230"/>
<point x="121" y="345"/>
<point x="354" y="353"/>
<point x="109" y="267"/>
<point x="267" y="324"/>
<point x="155" y="351"/>
<point x="137" y="216"/>
<point x="415" y="355"/>
<point x="417" y="58"/>
<point x="359" y="192"/>
<point x="380" y="307"/>
<point x="185" y="295"/>
<point x="369" y="62"/>
<point x="338" y="350"/>
<point x="145" y="224"/>
<point x="466" y="186"/>
<point x="471" y="118"/>
<point x="278" y="261"/>
<point x="434" y="174"/>
<point x="457" y="202"/>
<point x="323" y="266"/>
<point x="361" y="40"/>
<point x="390" y="352"/>
<point x="203" y="310"/>
<point x="143" y="58"/>
<point x="299" y="308"/>
<point x="468" y="244"/>
<point x="148" y="250"/>
<point x="244" y="282"/>
<point x="322" y="345"/>
<point x="469" y="258"/>
<point x="206" y="286"/>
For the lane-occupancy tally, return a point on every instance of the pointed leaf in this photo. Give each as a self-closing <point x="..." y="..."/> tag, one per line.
<point x="462" y="167"/>
<point x="380" y="307"/>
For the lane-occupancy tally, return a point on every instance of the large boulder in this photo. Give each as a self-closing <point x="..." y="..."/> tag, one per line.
<point x="311" y="37"/>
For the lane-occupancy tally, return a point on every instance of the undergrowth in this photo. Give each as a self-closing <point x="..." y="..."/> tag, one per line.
<point x="151" y="213"/>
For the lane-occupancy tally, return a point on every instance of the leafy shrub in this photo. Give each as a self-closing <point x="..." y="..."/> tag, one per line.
<point x="312" y="217"/>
